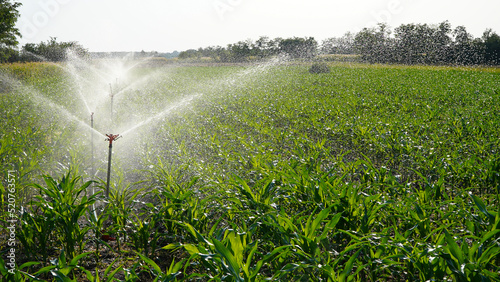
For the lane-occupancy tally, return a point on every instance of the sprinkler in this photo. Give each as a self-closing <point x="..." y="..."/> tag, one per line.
<point x="110" y="138"/>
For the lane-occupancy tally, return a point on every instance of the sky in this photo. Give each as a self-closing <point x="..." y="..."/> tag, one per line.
<point x="178" y="25"/>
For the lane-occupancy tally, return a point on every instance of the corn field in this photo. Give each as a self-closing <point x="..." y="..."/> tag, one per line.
<point x="253" y="173"/>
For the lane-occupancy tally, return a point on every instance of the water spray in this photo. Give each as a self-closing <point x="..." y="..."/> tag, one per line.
<point x="110" y="138"/>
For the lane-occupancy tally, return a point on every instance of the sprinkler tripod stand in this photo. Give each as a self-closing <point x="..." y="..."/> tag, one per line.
<point x="110" y="138"/>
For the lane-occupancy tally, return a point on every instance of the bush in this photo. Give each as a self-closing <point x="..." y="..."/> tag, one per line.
<point x="319" y="68"/>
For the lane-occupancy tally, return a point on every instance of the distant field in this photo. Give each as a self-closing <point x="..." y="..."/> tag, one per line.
<point x="248" y="172"/>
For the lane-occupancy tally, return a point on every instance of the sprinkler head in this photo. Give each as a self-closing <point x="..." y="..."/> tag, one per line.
<point x="112" y="138"/>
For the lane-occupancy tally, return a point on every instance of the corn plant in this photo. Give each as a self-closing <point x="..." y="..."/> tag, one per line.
<point x="144" y="230"/>
<point x="121" y="207"/>
<point x="170" y="274"/>
<point x="61" y="269"/>
<point x="233" y="258"/>
<point x="63" y="201"/>
<point x="19" y="274"/>
<point x="108" y="274"/>
<point x="261" y="198"/>
<point x="37" y="231"/>
<point x="471" y="263"/>
<point x="179" y="203"/>
<point x="96" y="222"/>
<point x="313" y="255"/>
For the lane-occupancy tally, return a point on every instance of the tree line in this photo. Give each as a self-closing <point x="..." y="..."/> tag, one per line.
<point x="262" y="48"/>
<point x="51" y="50"/>
<point x="406" y="44"/>
<point x="427" y="44"/>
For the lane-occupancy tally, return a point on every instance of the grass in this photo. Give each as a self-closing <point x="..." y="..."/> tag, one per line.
<point x="366" y="173"/>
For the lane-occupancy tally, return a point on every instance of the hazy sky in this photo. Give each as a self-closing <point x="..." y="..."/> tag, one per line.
<point x="168" y="25"/>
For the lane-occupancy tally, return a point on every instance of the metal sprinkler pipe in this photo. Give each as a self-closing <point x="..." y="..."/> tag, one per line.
<point x="92" y="172"/>
<point x="92" y="141"/>
<point x="111" y="95"/>
<point x="92" y="149"/>
<point x="110" y="138"/>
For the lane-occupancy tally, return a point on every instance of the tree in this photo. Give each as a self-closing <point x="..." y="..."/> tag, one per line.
<point x="422" y="43"/>
<point x="240" y="50"/>
<point x="374" y="44"/>
<point x="465" y="50"/>
<point x="299" y="47"/>
<point x="188" y="54"/>
<point x="413" y="42"/>
<point x="441" y="43"/>
<point x="51" y="50"/>
<point x="491" y="43"/>
<point x="222" y="54"/>
<point x="8" y="32"/>
<point x="340" y="45"/>
<point x="263" y="47"/>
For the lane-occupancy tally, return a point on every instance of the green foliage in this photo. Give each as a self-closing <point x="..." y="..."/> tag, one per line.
<point x="64" y="204"/>
<point x="249" y="50"/>
<point x="8" y="32"/>
<point x="169" y="275"/>
<point x="299" y="47"/>
<point x="427" y="44"/>
<point x="60" y="270"/>
<point x="51" y="51"/>
<point x="491" y="47"/>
